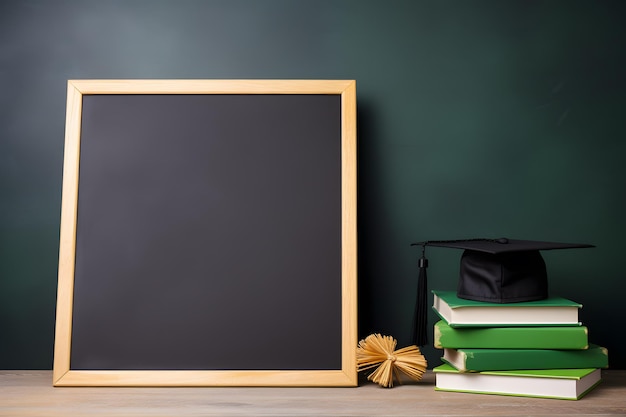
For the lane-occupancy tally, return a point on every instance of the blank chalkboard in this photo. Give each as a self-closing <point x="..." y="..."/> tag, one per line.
<point x="208" y="234"/>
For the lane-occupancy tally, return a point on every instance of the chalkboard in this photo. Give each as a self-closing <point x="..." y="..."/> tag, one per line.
<point x="208" y="234"/>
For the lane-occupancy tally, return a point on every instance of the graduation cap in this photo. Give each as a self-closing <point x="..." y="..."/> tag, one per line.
<point x="493" y="270"/>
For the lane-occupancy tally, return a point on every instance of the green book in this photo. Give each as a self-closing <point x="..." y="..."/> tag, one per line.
<point x="564" y="337"/>
<point x="566" y="384"/>
<point x="458" y="312"/>
<point x="473" y="360"/>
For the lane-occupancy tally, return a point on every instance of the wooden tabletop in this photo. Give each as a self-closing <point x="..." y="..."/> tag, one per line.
<point x="30" y="393"/>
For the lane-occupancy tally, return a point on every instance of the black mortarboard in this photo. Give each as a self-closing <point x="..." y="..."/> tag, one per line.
<point x="493" y="270"/>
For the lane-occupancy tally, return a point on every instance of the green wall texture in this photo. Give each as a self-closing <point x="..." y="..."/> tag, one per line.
<point x="476" y="119"/>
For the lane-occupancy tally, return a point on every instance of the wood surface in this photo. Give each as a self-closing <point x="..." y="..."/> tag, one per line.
<point x="30" y="393"/>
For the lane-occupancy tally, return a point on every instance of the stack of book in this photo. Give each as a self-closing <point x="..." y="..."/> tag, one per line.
<point x="536" y="348"/>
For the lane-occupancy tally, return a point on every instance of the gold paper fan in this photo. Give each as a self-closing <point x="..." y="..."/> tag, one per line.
<point x="377" y="351"/>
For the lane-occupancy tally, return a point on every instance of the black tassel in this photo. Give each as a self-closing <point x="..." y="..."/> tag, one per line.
<point x="420" y="320"/>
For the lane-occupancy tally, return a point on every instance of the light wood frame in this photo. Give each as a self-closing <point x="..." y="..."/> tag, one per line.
<point x="63" y="375"/>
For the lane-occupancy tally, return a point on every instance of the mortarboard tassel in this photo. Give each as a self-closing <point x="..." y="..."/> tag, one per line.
<point x="420" y="320"/>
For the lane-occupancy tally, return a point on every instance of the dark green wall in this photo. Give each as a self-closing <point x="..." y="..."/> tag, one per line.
<point x="476" y="118"/>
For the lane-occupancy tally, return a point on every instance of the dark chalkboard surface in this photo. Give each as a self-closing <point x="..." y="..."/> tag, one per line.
<point x="208" y="234"/>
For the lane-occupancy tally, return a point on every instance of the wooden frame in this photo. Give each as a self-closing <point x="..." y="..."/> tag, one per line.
<point x="63" y="375"/>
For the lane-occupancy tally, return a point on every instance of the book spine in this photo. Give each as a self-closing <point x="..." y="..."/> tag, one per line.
<point x="503" y="359"/>
<point x="511" y="337"/>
